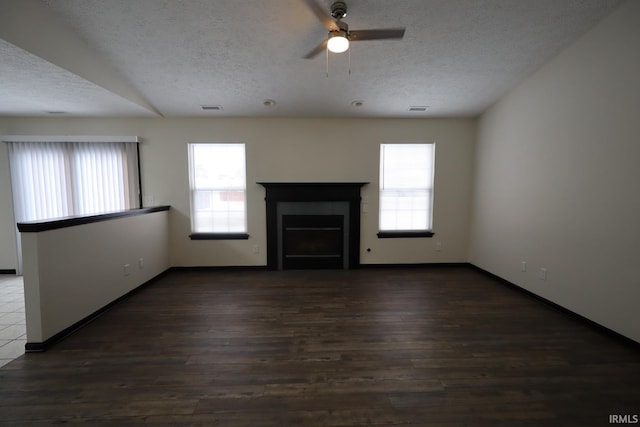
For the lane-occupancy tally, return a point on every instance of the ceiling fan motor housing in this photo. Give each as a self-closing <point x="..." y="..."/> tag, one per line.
<point x="339" y="9"/>
<point x="342" y="27"/>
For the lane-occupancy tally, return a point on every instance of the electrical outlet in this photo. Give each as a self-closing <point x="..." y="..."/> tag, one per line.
<point x="256" y="249"/>
<point x="523" y="266"/>
<point x="542" y="273"/>
<point x="149" y="200"/>
<point x="126" y="269"/>
<point x="141" y="263"/>
<point x="438" y="246"/>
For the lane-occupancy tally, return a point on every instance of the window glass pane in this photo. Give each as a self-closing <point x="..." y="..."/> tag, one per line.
<point x="406" y="183"/>
<point x="218" y="188"/>
<point x="406" y="166"/>
<point x="219" y="211"/>
<point x="218" y="166"/>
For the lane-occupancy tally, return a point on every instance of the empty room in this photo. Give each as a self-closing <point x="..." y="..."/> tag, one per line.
<point x="320" y="213"/>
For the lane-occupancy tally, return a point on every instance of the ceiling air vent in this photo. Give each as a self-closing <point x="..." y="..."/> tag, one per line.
<point x="418" y="109"/>
<point x="211" y="107"/>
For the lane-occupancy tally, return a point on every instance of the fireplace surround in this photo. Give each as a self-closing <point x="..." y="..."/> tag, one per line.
<point x="304" y="203"/>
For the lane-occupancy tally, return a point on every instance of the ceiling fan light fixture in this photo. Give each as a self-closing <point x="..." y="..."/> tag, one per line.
<point x="338" y="41"/>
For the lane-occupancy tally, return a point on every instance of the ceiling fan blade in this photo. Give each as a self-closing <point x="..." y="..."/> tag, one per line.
<point x="316" y="50"/>
<point x="389" y="33"/>
<point x="322" y="14"/>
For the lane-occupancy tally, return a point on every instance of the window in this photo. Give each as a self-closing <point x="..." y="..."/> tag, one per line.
<point x="217" y="180"/>
<point x="59" y="179"/>
<point x="406" y="190"/>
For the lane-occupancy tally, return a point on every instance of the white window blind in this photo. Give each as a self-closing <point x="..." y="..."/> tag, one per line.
<point x="218" y="188"/>
<point x="406" y="187"/>
<point x="58" y="179"/>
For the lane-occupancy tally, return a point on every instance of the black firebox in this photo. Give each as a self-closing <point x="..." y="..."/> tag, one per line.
<point x="312" y="241"/>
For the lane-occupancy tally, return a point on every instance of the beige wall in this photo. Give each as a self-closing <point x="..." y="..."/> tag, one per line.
<point x="64" y="286"/>
<point x="289" y="150"/>
<point x="558" y="178"/>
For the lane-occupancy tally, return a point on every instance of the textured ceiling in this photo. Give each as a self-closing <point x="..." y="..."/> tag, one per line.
<point x="31" y="85"/>
<point x="168" y="57"/>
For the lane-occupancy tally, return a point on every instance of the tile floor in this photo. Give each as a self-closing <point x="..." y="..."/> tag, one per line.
<point x="13" y="332"/>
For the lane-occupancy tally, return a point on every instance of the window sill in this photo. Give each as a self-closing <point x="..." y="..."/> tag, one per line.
<point x="219" y="236"/>
<point x="403" y="234"/>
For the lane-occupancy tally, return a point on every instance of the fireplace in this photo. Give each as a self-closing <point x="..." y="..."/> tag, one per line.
<point x="313" y="225"/>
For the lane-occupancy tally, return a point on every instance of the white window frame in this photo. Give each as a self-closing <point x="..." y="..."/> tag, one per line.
<point x="410" y="200"/>
<point x="213" y="230"/>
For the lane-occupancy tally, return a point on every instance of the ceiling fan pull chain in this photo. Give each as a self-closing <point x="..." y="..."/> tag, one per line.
<point x="327" y="52"/>
<point x="349" y="52"/>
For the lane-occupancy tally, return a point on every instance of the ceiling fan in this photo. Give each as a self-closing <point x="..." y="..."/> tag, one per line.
<point x="339" y="33"/>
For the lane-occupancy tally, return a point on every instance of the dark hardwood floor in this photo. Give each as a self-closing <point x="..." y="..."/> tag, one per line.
<point x="444" y="346"/>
